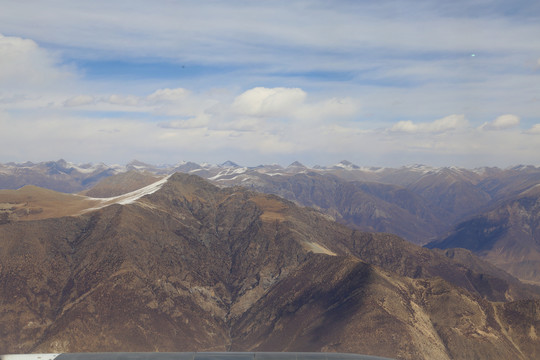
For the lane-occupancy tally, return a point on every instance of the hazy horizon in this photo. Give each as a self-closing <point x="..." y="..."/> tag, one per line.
<point x="254" y="165"/>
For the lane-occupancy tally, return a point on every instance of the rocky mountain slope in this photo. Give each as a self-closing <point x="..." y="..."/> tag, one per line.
<point x="363" y="205"/>
<point x="183" y="265"/>
<point x="507" y="236"/>
<point x="419" y="203"/>
<point x="121" y="183"/>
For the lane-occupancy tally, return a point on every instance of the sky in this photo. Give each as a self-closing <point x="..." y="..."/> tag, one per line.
<point x="378" y="83"/>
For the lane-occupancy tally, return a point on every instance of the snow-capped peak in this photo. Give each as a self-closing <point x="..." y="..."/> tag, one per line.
<point x="229" y="164"/>
<point x="346" y="165"/>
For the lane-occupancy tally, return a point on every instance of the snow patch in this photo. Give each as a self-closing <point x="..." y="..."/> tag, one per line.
<point x="346" y="165"/>
<point x="373" y="169"/>
<point x="207" y="166"/>
<point x="419" y="168"/>
<point x="86" y="169"/>
<point x="7" y="170"/>
<point x="130" y="197"/>
<point x="137" y="194"/>
<point x="228" y="172"/>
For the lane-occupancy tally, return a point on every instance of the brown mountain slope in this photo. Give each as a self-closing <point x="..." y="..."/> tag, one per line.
<point x="32" y="203"/>
<point x="121" y="183"/>
<point x="454" y="191"/>
<point x="190" y="266"/>
<point x="349" y="305"/>
<point x="510" y="182"/>
<point x="365" y="206"/>
<point x="508" y="236"/>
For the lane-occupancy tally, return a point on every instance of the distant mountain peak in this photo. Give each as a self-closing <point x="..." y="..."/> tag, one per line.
<point x="296" y="164"/>
<point x="345" y="164"/>
<point x="59" y="167"/>
<point x="135" y="162"/>
<point x="62" y="162"/>
<point x="188" y="165"/>
<point x="419" y="168"/>
<point x="229" y="163"/>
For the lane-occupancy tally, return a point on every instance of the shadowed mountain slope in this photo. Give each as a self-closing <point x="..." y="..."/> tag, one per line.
<point x="363" y="205"/>
<point x="508" y="236"/>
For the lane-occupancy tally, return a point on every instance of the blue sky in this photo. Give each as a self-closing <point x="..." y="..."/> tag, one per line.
<point x="383" y="83"/>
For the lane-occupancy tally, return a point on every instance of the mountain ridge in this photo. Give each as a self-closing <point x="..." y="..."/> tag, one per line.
<point x="419" y="203"/>
<point x="187" y="267"/>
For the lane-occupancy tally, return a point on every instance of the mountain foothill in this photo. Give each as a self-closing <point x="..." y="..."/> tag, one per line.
<point x="205" y="257"/>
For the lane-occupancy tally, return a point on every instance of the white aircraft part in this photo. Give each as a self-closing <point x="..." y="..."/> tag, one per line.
<point x="29" y="357"/>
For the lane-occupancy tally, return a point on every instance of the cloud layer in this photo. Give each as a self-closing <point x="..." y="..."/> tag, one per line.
<point x="26" y="66"/>
<point x="448" y="123"/>
<point x="502" y="122"/>
<point x="381" y="83"/>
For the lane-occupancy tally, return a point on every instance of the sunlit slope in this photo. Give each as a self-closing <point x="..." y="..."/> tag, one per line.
<point x="34" y="203"/>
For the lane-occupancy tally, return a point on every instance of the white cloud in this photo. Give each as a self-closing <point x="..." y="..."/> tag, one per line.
<point x="179" y="102"/>
<point x="159" y="99"/>
<point x="535" y="129"/>
<point x="124" y="100"/>
<point x="168" y="95"/>
<point x="405" y="126"/>
<point x="448" y="123"/>
<point x="327" y="109"/>
<point x="502" y="122"/>
<point x="292" y="104"/>
<point x="201" y="121"/>
<point x="186" y="30"/>
<point x="293" y="51"/>
<point x="269" y="102"/>
<point x="26" y="66"/>
<point x="79" y="100"/>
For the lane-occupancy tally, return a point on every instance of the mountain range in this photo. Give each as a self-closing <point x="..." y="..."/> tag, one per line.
<point x="422" y="204"/>
<point x="180" y="264"/>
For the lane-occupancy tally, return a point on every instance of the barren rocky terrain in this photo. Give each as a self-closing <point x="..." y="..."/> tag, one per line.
<point x="190" y="266"/>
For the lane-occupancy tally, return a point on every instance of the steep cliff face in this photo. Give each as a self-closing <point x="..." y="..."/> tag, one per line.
<point x="192" y="267"/>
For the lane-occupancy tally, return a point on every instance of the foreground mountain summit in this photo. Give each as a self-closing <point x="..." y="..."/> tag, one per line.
<point x="182" y="265"/>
